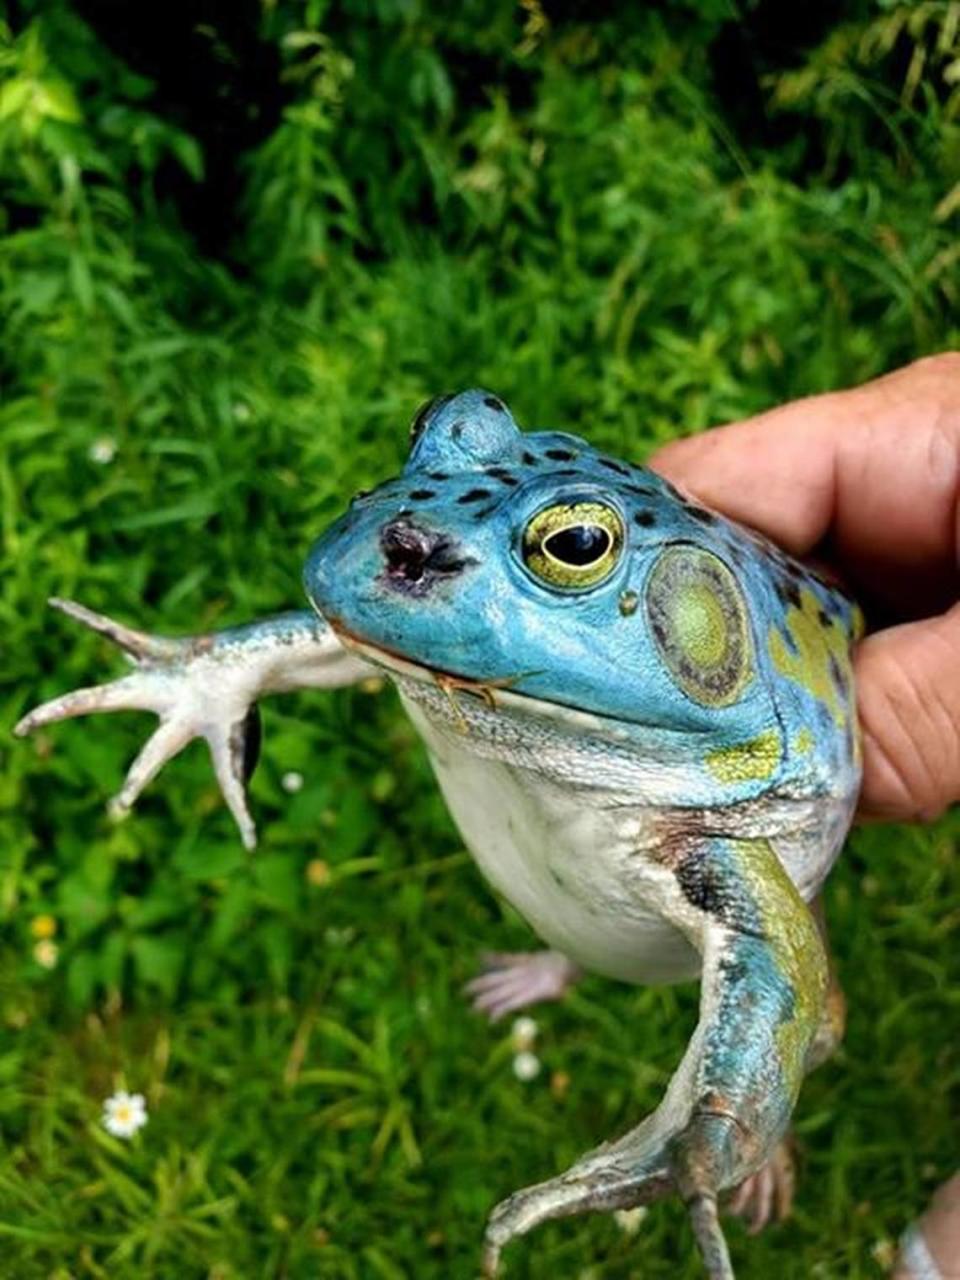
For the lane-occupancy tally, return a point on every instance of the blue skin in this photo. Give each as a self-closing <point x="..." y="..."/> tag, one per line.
<point x="430" y="569"/>
<point x="496" y="622"/>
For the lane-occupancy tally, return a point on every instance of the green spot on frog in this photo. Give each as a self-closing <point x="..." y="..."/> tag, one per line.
<point x="699" y="621"/>
<point x="821" y="661"/>
<point x="747" y="761"/>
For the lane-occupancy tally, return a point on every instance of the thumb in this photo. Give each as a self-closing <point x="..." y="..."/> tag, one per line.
<point x="908" y="700"/>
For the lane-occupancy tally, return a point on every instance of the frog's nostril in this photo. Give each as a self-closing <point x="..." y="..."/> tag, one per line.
<point x="417" y="557"/>
<point x="406" y="549"/>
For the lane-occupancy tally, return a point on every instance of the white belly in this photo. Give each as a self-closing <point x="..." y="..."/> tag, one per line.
<point x="559" y="856"/>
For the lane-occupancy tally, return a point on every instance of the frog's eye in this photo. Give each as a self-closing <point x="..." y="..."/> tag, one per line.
<point x="575" y="545"/>
<point x="699" y="623"/>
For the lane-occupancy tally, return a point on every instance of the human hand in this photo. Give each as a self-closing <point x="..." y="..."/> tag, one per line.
<point x="867" y="481"/>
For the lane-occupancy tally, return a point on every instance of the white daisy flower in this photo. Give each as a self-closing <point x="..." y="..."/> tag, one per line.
<point x="526" y="1066"/>
<point x="523" y="1033"/>
<point x="102" y="451"/>
<point x="124" y="1113"/>
<point x="46" y="952"/>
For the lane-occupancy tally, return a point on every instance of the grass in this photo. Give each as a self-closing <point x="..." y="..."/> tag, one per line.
<point x="322" y="1102"/>
<point x="595" y="234"/>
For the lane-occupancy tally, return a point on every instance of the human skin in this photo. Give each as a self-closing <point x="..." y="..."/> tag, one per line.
<point x="867" y="482"/>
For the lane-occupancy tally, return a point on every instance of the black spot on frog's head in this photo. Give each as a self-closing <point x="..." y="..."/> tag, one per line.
<point x="503" y="475"/>
<point x="703" y="515"/>
<point x="456" y="433"/>
<point x="424" y="414"/>
<point x="612" y="465"/>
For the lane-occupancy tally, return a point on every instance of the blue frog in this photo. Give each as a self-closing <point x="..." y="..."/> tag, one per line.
<point x="642" y="718"/>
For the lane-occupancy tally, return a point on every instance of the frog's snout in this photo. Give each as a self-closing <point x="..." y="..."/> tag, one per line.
<point x="416" y="558"/>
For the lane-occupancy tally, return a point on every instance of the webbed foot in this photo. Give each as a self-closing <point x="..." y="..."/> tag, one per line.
<point x="607" y="1179"/>
<point x="204" y="686"/>
<point x="646" y="1164"/>
<point x="193" y="694"/>
<point x="513" y="980"/>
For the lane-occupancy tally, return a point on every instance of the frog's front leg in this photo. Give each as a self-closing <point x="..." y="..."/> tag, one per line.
<point x="205" y="686"/>
<point x="726" y="1108"/>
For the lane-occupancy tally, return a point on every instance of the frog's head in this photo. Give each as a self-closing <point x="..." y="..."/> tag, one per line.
<point x="531" y="562"/>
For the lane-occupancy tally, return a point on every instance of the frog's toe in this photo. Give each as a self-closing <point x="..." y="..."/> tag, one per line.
<point x="516" y="980"/>
<point x="607" y="1179"/>
<point x="767" y="1195"/>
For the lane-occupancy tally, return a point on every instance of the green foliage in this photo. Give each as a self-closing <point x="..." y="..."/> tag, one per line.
<point x="223" y="295"/>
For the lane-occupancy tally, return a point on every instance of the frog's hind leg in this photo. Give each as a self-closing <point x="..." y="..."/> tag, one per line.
<point x="513" y="980"/>
<point x="833" y="1021"/>
<point x="729" y="1103"/>
<point x="767" y="1195"/>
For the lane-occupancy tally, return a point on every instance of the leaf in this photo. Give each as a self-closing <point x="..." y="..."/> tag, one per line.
<point x="277" y="946"/>
<point x="83" y="973"/>
<point x="188" y="152"/>
<point x="232" y="912"/>
<point x="81" y="281"/>
<point x="158" y="960"/>
<point x="206" y="861"/>
<point x="82" y="905"/>
<point x="199" y="507"/>
<point x="54" y="98"/>
<point x="279" y="881"/>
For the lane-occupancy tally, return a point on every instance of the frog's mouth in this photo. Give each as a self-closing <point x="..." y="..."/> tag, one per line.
<point x="382" y="656"/>
<point x="495" y="694"/>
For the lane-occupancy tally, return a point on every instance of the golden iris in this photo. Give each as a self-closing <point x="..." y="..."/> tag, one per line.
<point x="573" y="545"/>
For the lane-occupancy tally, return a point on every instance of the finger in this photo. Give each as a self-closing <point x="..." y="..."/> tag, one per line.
<point x="774" y="472"/>
<point x="136" y="643"/>
<point x="132" y="693"/>
<point x="877" y="469"/>
<point x="170" y="738"/>
<point x="227" y="754"/>
<point x="908" y="702"/>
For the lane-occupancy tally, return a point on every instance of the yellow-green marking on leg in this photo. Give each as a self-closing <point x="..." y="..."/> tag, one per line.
<point x="747" y="761"/>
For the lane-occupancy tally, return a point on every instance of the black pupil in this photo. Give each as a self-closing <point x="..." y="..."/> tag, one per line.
<point x="580" y="545"/>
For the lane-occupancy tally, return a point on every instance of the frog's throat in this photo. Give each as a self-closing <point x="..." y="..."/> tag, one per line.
<point x="630" y="766"/>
